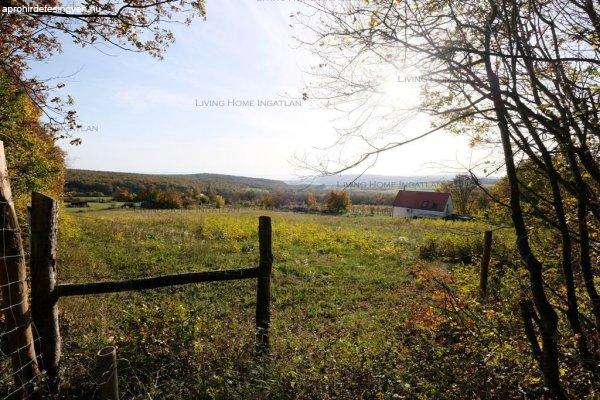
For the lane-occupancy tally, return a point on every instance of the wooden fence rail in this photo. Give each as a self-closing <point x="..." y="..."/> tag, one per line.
<point x="46" y="293"/>
<point x="83" y="289"/>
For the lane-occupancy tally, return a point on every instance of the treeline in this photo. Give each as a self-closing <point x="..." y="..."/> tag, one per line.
<point x="468" y="194"/>
<point x="103" y="183"/>
<point x="308" y="201"/>
<point x="188" y="191"/>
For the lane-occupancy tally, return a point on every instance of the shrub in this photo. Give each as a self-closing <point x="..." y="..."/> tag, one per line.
<point x="167" y="199"/>
<point x="219" y="201"/>
<point x="427" y="249"/>
<point x="338" y="202"/>
<point x="451" y="247"/>
<point x="123" y="195"/>
<point x="467" y="247"/>
<point x="277" y="199"/>
<point x="312" y="202"/>
<point x="203" y="199"/>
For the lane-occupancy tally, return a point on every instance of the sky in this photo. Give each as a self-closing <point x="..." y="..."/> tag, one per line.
<point x="201" y="108"/>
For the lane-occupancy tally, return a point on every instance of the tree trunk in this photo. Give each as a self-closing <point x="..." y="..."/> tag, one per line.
<point x="548" y="318"/>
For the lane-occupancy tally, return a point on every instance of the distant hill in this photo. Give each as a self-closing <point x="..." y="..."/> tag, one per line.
<point x="106" y="182"/>
<point x="380" y="182"/>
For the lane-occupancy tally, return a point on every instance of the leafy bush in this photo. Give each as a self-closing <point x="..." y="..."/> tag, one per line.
<point x="163" y="199"/>
<point x="466" y="247"/>
<point x="456" y="339"/>
<point x="451" y="247"/>
<point x="123" y="195"/>
<point x="338" y="202"/>
<point x="219" y="201"/>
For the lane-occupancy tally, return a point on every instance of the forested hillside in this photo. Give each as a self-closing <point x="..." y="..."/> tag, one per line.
<point x="105" y="183"/>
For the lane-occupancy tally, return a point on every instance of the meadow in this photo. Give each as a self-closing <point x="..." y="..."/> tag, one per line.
<point x="361" y="309"/>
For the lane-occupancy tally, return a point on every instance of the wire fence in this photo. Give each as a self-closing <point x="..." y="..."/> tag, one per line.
<point x="16" y="334"/>
<point x="21" y="369"/>
<point x="29" y="293"/>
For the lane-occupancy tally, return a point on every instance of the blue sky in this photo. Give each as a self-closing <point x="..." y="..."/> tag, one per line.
<point x="139" y="114"/>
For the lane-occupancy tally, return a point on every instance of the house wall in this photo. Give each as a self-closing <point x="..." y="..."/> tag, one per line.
<point x="415" y="212"/>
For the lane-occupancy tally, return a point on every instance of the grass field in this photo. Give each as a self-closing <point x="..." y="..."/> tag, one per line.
<point x="344" y="297"/>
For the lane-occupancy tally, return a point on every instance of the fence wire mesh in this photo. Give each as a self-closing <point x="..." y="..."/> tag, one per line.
<point x="21" y="375"/>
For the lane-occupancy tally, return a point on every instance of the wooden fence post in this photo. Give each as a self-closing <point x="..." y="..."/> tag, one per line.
<point x="263" y="288"/>
<point x="44" y="212"/>
<point x="15" y="302"/>
<point x="485" y="263"/>
<point x="109" y="377"/>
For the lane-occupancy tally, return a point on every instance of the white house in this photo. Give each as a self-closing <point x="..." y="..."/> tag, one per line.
<point x="422" y="204"/>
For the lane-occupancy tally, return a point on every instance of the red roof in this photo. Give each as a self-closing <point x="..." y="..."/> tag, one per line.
<point x="433" y="201"/>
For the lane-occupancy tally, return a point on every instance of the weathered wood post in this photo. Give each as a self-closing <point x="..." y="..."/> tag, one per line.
<point x="109" y="377"/>
<point x="15" y="301"/>
<point x="44" y="212"/>
<point x="263" y="288"/>
<point x="485" y="263"/>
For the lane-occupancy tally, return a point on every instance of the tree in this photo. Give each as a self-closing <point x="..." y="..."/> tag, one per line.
<point x="268" y="201"/>
<point x="135" y="25"/>
<point x="463" y="190"/>
<point x="161" y="199"/>
<point x="276" y="199"/>
<point x="203" y="199"/>
<point x="219" y="201"/>
<point x="193" y="193"/>
<point x="34" y="160"/>
<point x="311" y="201"/>
<point x="520" y="76"/>
<point x="123" y="195"/>
<point x="338" y="202"/>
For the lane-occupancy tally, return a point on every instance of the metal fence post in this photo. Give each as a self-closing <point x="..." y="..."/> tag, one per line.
<point x="263" y="288"/>
<point x="109" y="377"/>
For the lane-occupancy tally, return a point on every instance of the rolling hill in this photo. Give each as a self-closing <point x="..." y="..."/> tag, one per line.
<point x="106" y="182"/>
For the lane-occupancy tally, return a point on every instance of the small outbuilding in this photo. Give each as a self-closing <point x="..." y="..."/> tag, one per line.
<point x="422" y="204"/>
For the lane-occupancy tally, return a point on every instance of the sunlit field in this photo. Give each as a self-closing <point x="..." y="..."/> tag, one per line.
<point x="355" y="308"/>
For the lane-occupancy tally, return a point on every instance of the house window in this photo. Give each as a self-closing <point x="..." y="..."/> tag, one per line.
<point x="434" y="206"/>
<point x="424" y="204"/>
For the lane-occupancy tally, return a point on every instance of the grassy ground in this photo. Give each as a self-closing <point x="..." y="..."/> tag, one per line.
<point x="342" y="291"/>
<point x="95" y="206"/>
